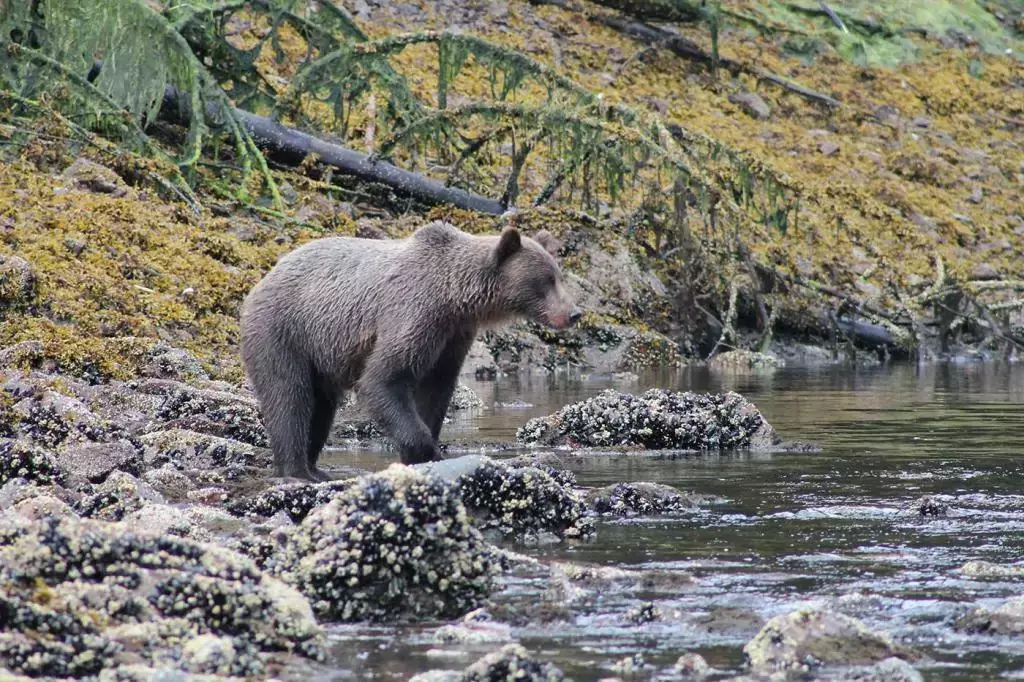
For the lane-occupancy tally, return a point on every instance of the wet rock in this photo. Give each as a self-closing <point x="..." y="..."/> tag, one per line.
<point x="745" y="359"/>
<point x="929" y="505"/>
<point x="200" y="451"/>
<point x="464" y="398"/>
<point x="1005" y="619"/>
<point x="751" y="104"/>
<point x="805" y="639"/>
<point x="79" y="597"/>
<point x="523" y="501"/>
<point x="17" y="280"/>
<point x="645" y="350"/>
<point x="692" y="667"/>
<point x="512" y="662"/>
<point x="476" y="627"/>
<point x="297" y="500"/>
<point x="647" y="612"/>
<point x="90" y="176"/>
<point x="217" y="413"/>
<point x="658" y="419"/>
<point x="988" y="570"/>
<point x="19" y="459"/>
<point x="93" y="462"/>
<point x="393" y="544"/>
<point x="644" y="499"/>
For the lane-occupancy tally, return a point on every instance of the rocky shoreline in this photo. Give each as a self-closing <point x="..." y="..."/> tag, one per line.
<point x="140" y="531"/>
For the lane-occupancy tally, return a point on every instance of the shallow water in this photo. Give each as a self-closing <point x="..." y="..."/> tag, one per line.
<point x="794" y="529"/>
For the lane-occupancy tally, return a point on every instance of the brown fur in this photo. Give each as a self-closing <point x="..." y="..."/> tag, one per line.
<point x="393" y="319"/>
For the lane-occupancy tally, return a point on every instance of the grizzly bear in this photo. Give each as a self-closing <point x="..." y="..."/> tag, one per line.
<point x="392" y="319"/>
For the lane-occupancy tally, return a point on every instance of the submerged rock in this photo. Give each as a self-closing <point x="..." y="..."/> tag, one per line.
<point x="398" y="543"/>
<point x="807" y="638"/>
<point x="80" y="597"/>
<point x="1005" y="619"/>
<point x="986" y="569"/>
<point x="630" y="499"/>
<point x="658" y="419"/>
<point x="512" y="662"/>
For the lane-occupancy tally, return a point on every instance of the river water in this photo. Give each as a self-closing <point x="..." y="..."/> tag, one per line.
<point x="823" y="529"/>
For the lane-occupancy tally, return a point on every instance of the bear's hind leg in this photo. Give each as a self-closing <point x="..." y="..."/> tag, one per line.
<point x="286" y="401"/>
<point x="320" y="428"/>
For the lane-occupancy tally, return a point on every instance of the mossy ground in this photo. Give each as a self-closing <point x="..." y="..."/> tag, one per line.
<point x="924" y="161"/>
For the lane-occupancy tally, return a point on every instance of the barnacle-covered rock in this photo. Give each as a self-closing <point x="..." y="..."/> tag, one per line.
<point x="806" y="638"/>
<point x="50" y="419"/>
<point x="78" y="597"/>
<point x="218" y="413"/>
<point x="657" y="419"/>
<point x="167" y="362"/>
<point x="120" y="494"/>
<point x="192" y="450"/>
<point x="630" y="499"/>
<point x="526" y="500"/>
<point x="17" y="280"/>
<point x="297" y="500"/>
<point x="512" y="663"/>
<point x="19" y="459"/>
<point x="394" y="543"/>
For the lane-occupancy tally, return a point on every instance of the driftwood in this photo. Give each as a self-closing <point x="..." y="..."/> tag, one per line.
<point x="687" y="49"/>
<point x="291" y="147"/>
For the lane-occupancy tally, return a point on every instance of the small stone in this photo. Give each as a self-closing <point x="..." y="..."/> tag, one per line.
<point x="1005" y="619"/>
<point x="692" y="667"/>
<point x="921" y="122"/>
<point x="210" y="495"/>
<point x="984" y="271"/>
<point x="828" y="147"/>
<point x="17" y="280"/>
<point x="88" y="175"/>
<point x="977" y="195"/>
<point x="986" y="569"/>
<point x="752" y="104"/>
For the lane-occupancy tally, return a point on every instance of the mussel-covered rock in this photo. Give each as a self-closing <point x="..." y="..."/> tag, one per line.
<point x="657" y="419"/>
<point x="642" y="498"/>
<point x="19" y="459"/>
<point x="79" y="597"/>
<point x="398" y="543"/>
<point x="1005" y="619"/>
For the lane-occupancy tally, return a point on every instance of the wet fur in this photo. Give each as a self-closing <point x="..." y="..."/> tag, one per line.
<point x="393" y="319"/>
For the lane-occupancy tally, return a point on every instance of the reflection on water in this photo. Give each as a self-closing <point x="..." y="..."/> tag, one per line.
<point x="824" y="528"/>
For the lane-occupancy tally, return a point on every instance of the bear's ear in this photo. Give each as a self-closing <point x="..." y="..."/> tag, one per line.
<point x="508" y="245"/>
<point x="548" y="241"/>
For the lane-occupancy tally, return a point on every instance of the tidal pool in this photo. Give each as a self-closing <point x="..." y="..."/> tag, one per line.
<point x="829" y="529"/>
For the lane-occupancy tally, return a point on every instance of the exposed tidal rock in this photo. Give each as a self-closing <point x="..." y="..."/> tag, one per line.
<point x="807" y="638"/>
<point x="297" y="500"/>
<point x="522" y="501"/>
<point x="120" y="494"/>
<point x="93" y="462"/>
<point x="643" y="499"/>
<point x="476" y="627"/>
<point x="80" y="597"/>
<point x="51" y="419"/>
<point x="213" y="412"/>
<point x="1005" y="619"/>
<point x="511" y="663"/>
<point x="393" y="544"/>
<point x="657" y="419"/>
<point x="200" y="451"/>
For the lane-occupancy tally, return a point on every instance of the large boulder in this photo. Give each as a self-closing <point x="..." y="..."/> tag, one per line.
<point x="398" y="543"/>
<point x="657" y="419"/>
<point x="807" y="638"/>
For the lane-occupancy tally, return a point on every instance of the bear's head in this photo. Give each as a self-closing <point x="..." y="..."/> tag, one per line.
<point x="530" y="281"/>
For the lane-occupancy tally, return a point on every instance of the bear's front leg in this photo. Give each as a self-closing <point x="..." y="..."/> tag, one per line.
<point x="388" y="398"/>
